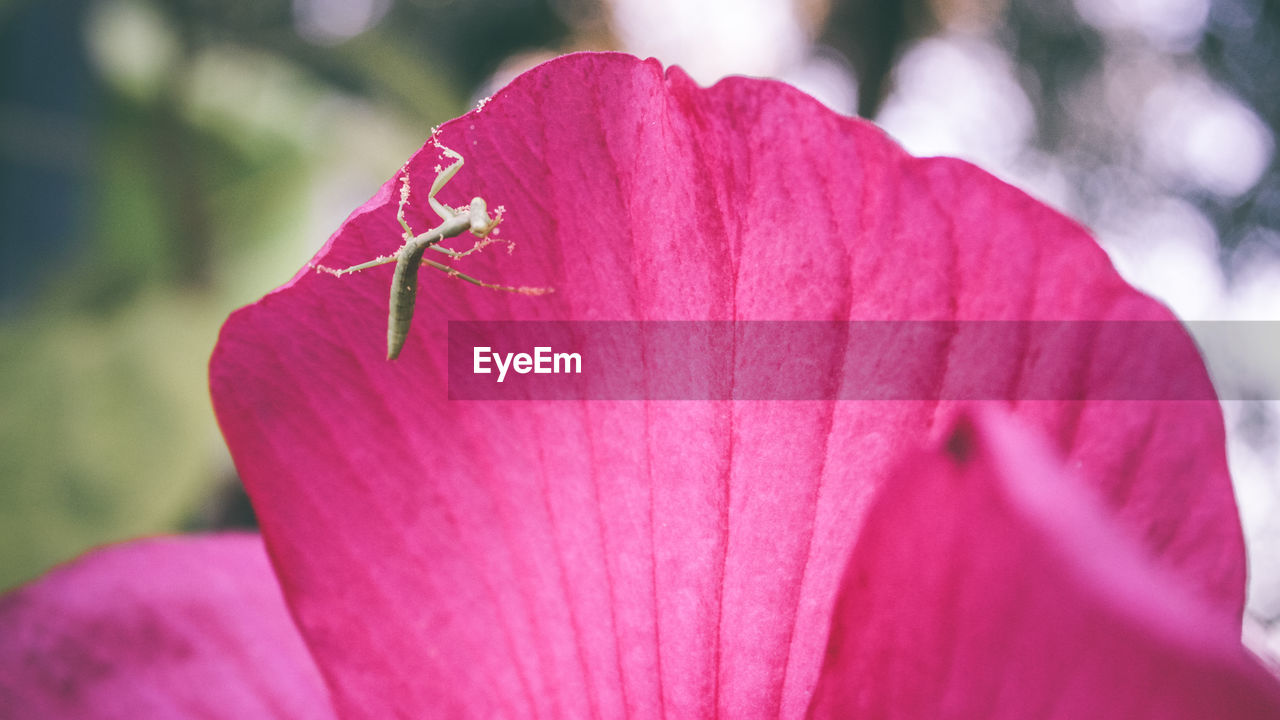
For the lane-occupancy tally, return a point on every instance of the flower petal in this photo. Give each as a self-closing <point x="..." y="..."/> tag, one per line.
<point x="159" y="628"/>
<point x="593" y="559"/>
<point x="987" y="584"/>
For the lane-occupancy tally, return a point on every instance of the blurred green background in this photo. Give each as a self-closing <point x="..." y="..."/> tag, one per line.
<point x="163" y="162"/>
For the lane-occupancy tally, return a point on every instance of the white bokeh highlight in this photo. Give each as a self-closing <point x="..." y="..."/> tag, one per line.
<point x="1172" y="25"/>
<point x="1194" y="132"/>
<point x="713" y="39"/>
<point x="329" y="22"/>
<point x="957" y="95"/>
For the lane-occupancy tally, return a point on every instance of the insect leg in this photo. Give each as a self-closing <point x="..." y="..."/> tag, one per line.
<point x="404" y="200"/>
<point x="451" y="272"/>
<point x="442" y="179"/>
<point x="339" y="272"/>
<point x="477" y="247"/>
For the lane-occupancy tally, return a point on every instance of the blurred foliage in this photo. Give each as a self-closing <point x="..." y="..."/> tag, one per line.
<point x="1241" y="48"/>
<point x="163" y="162"/>
<point x="160" y="165"/>
<point x="1061" y="55"/>
<point x="872" y="34"/>
<point x="1065" y="64"/>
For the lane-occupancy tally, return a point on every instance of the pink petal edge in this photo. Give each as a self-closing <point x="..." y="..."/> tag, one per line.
<point x="988" y="583"/>
<point x="594" y="560"/>
<point x="160" y="628"/>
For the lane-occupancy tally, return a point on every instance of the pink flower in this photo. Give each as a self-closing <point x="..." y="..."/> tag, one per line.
<point x="907" y="559"/>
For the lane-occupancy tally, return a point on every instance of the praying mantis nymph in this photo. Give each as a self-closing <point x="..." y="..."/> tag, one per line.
<point x="454" y="221"/>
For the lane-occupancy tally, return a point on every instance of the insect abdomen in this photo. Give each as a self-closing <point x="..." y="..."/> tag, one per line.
<point x="404" y="289"/>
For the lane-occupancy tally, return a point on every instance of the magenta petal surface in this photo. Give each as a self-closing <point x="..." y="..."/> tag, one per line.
<point x="526" y="559"/>
<point x="164" y="628"/>
<point x="987" y="584"/>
